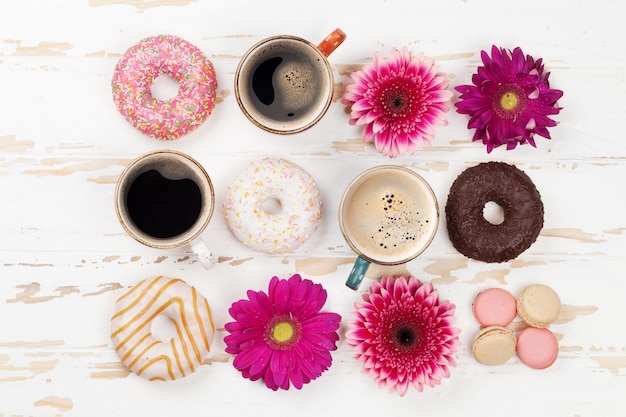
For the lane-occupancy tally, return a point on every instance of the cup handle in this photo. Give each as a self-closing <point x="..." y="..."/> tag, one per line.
<point x="358" y="273"/>
<point x="332" y="41"/>
<point x="202" y="252"/>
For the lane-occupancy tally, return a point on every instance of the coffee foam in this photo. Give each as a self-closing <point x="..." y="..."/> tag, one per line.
<point x="301" y="84"/>
<point x="390" y="216"/>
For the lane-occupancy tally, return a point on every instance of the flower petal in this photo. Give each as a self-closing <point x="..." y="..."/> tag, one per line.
<point x="388" y="359"/>
<point x="293" y="362"/>
<point x="399" y="101"/>
<point x="495" y="127"/>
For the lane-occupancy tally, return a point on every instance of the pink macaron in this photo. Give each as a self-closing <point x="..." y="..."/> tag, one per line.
<point x="537" y="347"/>
<point x="494" y="307"/>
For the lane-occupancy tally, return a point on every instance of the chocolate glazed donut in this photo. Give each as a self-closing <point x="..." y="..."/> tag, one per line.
<point x="510" y="188"/>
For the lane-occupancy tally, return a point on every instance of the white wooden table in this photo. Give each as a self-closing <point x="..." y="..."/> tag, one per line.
<point x="64" y="257"/>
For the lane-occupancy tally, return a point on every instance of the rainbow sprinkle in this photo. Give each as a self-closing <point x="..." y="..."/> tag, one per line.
<point x="279" y="179"/>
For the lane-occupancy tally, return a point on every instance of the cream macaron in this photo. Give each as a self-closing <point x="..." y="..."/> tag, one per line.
<point x="494" y="345"/>
<point x="538" y="305"/>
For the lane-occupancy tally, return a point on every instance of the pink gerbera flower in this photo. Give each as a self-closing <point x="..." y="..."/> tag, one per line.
<point x="282" y="336"/>
<point x="510" y="99"/>
<point x="403" y="335"/>
<point x="399" y="101"/>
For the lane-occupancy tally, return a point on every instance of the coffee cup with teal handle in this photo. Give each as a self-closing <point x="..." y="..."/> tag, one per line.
<point x="388" y="215"/>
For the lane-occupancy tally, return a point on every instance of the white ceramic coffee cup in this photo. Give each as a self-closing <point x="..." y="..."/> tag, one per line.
<point x="388" y="215"/>
<point x="172" y="165"/>
<point x="284" y="84"/>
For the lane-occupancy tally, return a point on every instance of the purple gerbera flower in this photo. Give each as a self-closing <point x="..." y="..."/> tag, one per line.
<point x="282" y="337"/>
<point x="510" y="99"/>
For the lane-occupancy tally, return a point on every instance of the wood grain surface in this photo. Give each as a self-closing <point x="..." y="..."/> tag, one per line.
<point x="64" y="258"/>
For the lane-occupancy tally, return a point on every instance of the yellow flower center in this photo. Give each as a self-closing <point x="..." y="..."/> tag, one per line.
<point x="509" y="100"/>
<point x="282" y="332"/>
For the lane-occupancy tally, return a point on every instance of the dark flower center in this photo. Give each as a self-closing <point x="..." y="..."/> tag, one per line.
<point x="406" y="337"/>
<point x="396" y="99"/>
<point x="282" y="332"/>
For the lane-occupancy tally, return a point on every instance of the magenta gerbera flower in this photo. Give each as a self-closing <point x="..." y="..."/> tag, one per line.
<point x="510" y="99"/>
<point x="403" y="335"/>
<point x="400" y="101"/>
<point x="282" y="337"/>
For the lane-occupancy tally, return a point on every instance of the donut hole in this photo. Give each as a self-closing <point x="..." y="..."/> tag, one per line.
<point x="164" y="87"/>
<point x="271" y="206"/>
<point x="493" y="213"/>
<point x="162" y="328"/>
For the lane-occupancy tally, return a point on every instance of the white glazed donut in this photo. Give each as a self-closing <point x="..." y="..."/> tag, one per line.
<point x="131" y="333"/>
<point x="300" y="209"/>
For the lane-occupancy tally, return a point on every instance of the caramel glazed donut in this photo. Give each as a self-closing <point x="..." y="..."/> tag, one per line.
<point x="510" y="188"/>
<point x="135" y="73"/>
<point x="131" y="333"/>
<point x="273" y="179"/>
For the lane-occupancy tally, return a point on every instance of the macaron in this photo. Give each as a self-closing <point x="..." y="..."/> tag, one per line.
<point x="494" y="345"/>
<point x="538" y="305"/>
<point x="494" y="307"/>
<point x="537" y="347"/>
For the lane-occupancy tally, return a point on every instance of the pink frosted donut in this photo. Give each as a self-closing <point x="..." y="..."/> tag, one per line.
<point x="297" y="207"/>
<point x="135" y="73"/>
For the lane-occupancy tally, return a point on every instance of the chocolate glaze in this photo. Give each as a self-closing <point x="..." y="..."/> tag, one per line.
<point x="510" y="188"/>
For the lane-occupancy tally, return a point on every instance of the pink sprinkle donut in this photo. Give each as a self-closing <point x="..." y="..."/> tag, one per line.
<point x="135" y="73"/>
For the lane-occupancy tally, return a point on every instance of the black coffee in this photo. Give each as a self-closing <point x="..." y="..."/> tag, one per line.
<point x="161" y="207"/>
<point x="262" y="83"/>
<point x="287" y="86"/>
